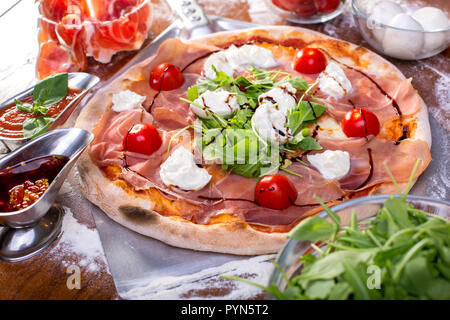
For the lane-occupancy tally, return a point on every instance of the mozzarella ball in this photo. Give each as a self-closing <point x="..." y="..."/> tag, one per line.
<point x="181" y="171"/>
<point x="383" y="12"/>
<point x="220" y="62"/>
<point x="250" y="55"/>
<point x="270" y="123"/>
<point x="283" y="95"/>
<point x="332" y="164"/>
<point x="403" y="44"/>
<point x="126" y="100"/>
<point x="334" y="82"/>
<point x="221" y="102"/>
<point x="432" y="19"/>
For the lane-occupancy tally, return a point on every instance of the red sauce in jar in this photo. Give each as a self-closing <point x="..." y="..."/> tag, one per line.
<point x="24" y="183"/>
<point x="11" y="119"/>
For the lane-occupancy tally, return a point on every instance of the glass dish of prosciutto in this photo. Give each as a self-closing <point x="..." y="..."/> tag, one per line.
<point x="70" y="31"/>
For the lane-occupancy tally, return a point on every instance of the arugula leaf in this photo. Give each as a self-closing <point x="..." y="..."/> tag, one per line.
<point x="299" y="83"/>
<point x="438" y="289"/>
<point x="332" y="265"/>
<point x="319" y="289"/>
<point x="313" y="229"/>
<point x="340" y="291"/>
<point x="241" y="119"/>
<point x="304" y="114"/>
<point x="51" y="90"/>
<point x="192" y="93"/>
<point x="416" y="276"/>
<point x="309" y="143"/>
<point x="33" y="127"/>
<point x="356" y="281"/>
<point x="246" y="170"/>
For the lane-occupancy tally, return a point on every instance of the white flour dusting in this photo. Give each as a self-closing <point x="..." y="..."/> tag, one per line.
<point x="442" y="92"/>
<point x="79" y="245"/>
<point x="257" y="269"/>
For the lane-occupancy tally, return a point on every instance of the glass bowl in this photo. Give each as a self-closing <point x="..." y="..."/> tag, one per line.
<point x="308" y="16"/>
<point x="71" y="31"/>
<point x="365" y="208"/>
<point x="405" y="44"/>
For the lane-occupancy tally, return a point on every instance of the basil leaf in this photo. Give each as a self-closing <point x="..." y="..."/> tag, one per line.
<point x="24" y="107"/>
<point x="313" y="229"/>
<point x="33" y="127"/>
<point x="51" y="90"/>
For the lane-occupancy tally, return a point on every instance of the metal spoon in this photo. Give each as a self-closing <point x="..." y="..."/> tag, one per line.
<point x="32" y="229"/>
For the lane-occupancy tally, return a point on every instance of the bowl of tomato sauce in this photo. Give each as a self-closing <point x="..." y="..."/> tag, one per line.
<point x="19" y="110"/>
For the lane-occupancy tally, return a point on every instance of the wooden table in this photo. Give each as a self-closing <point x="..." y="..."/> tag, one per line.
<point x="45" y="275"/>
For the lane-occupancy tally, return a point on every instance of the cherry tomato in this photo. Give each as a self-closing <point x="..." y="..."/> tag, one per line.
<point x="310" y="61"/>
<point x="275" y="192"/>
<point x="166" y="77"/>
<point x="360" y="122"/>
<point x="142" y="138"/>
<point x="326" y="6"/>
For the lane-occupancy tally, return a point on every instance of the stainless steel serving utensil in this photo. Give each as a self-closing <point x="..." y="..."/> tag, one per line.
<point x="32" y="229"/>
<point x="192" y="23"/>
<point x="77" y="80"/>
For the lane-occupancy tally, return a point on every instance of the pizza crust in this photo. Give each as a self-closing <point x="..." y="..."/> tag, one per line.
<point x="135" y="213"/>
<point x="235" y="237"/>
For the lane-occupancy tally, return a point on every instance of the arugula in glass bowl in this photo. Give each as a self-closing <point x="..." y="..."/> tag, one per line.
<point x="400" y="249"/>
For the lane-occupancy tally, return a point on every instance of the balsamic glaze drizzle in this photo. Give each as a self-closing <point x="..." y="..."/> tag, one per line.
<point x="312" y="110"/>
<point x="394" y="103"/>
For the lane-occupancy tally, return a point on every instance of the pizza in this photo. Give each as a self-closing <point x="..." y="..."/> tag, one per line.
<point x="226" y="142"/>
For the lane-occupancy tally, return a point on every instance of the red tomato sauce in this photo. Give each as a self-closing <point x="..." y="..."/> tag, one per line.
<point x="11" y="119"/>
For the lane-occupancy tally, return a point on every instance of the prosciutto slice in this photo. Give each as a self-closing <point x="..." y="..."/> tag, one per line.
<point x="368" y="159"/>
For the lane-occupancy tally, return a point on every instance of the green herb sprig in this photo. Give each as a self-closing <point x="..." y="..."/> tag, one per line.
<point x="46" y="93"/>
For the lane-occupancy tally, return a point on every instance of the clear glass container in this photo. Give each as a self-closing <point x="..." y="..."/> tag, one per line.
<point x="307" y="11"/>
<point x="70" y="31"/>
<point x="400" y="43"/>
<point x="365" y="208"/>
